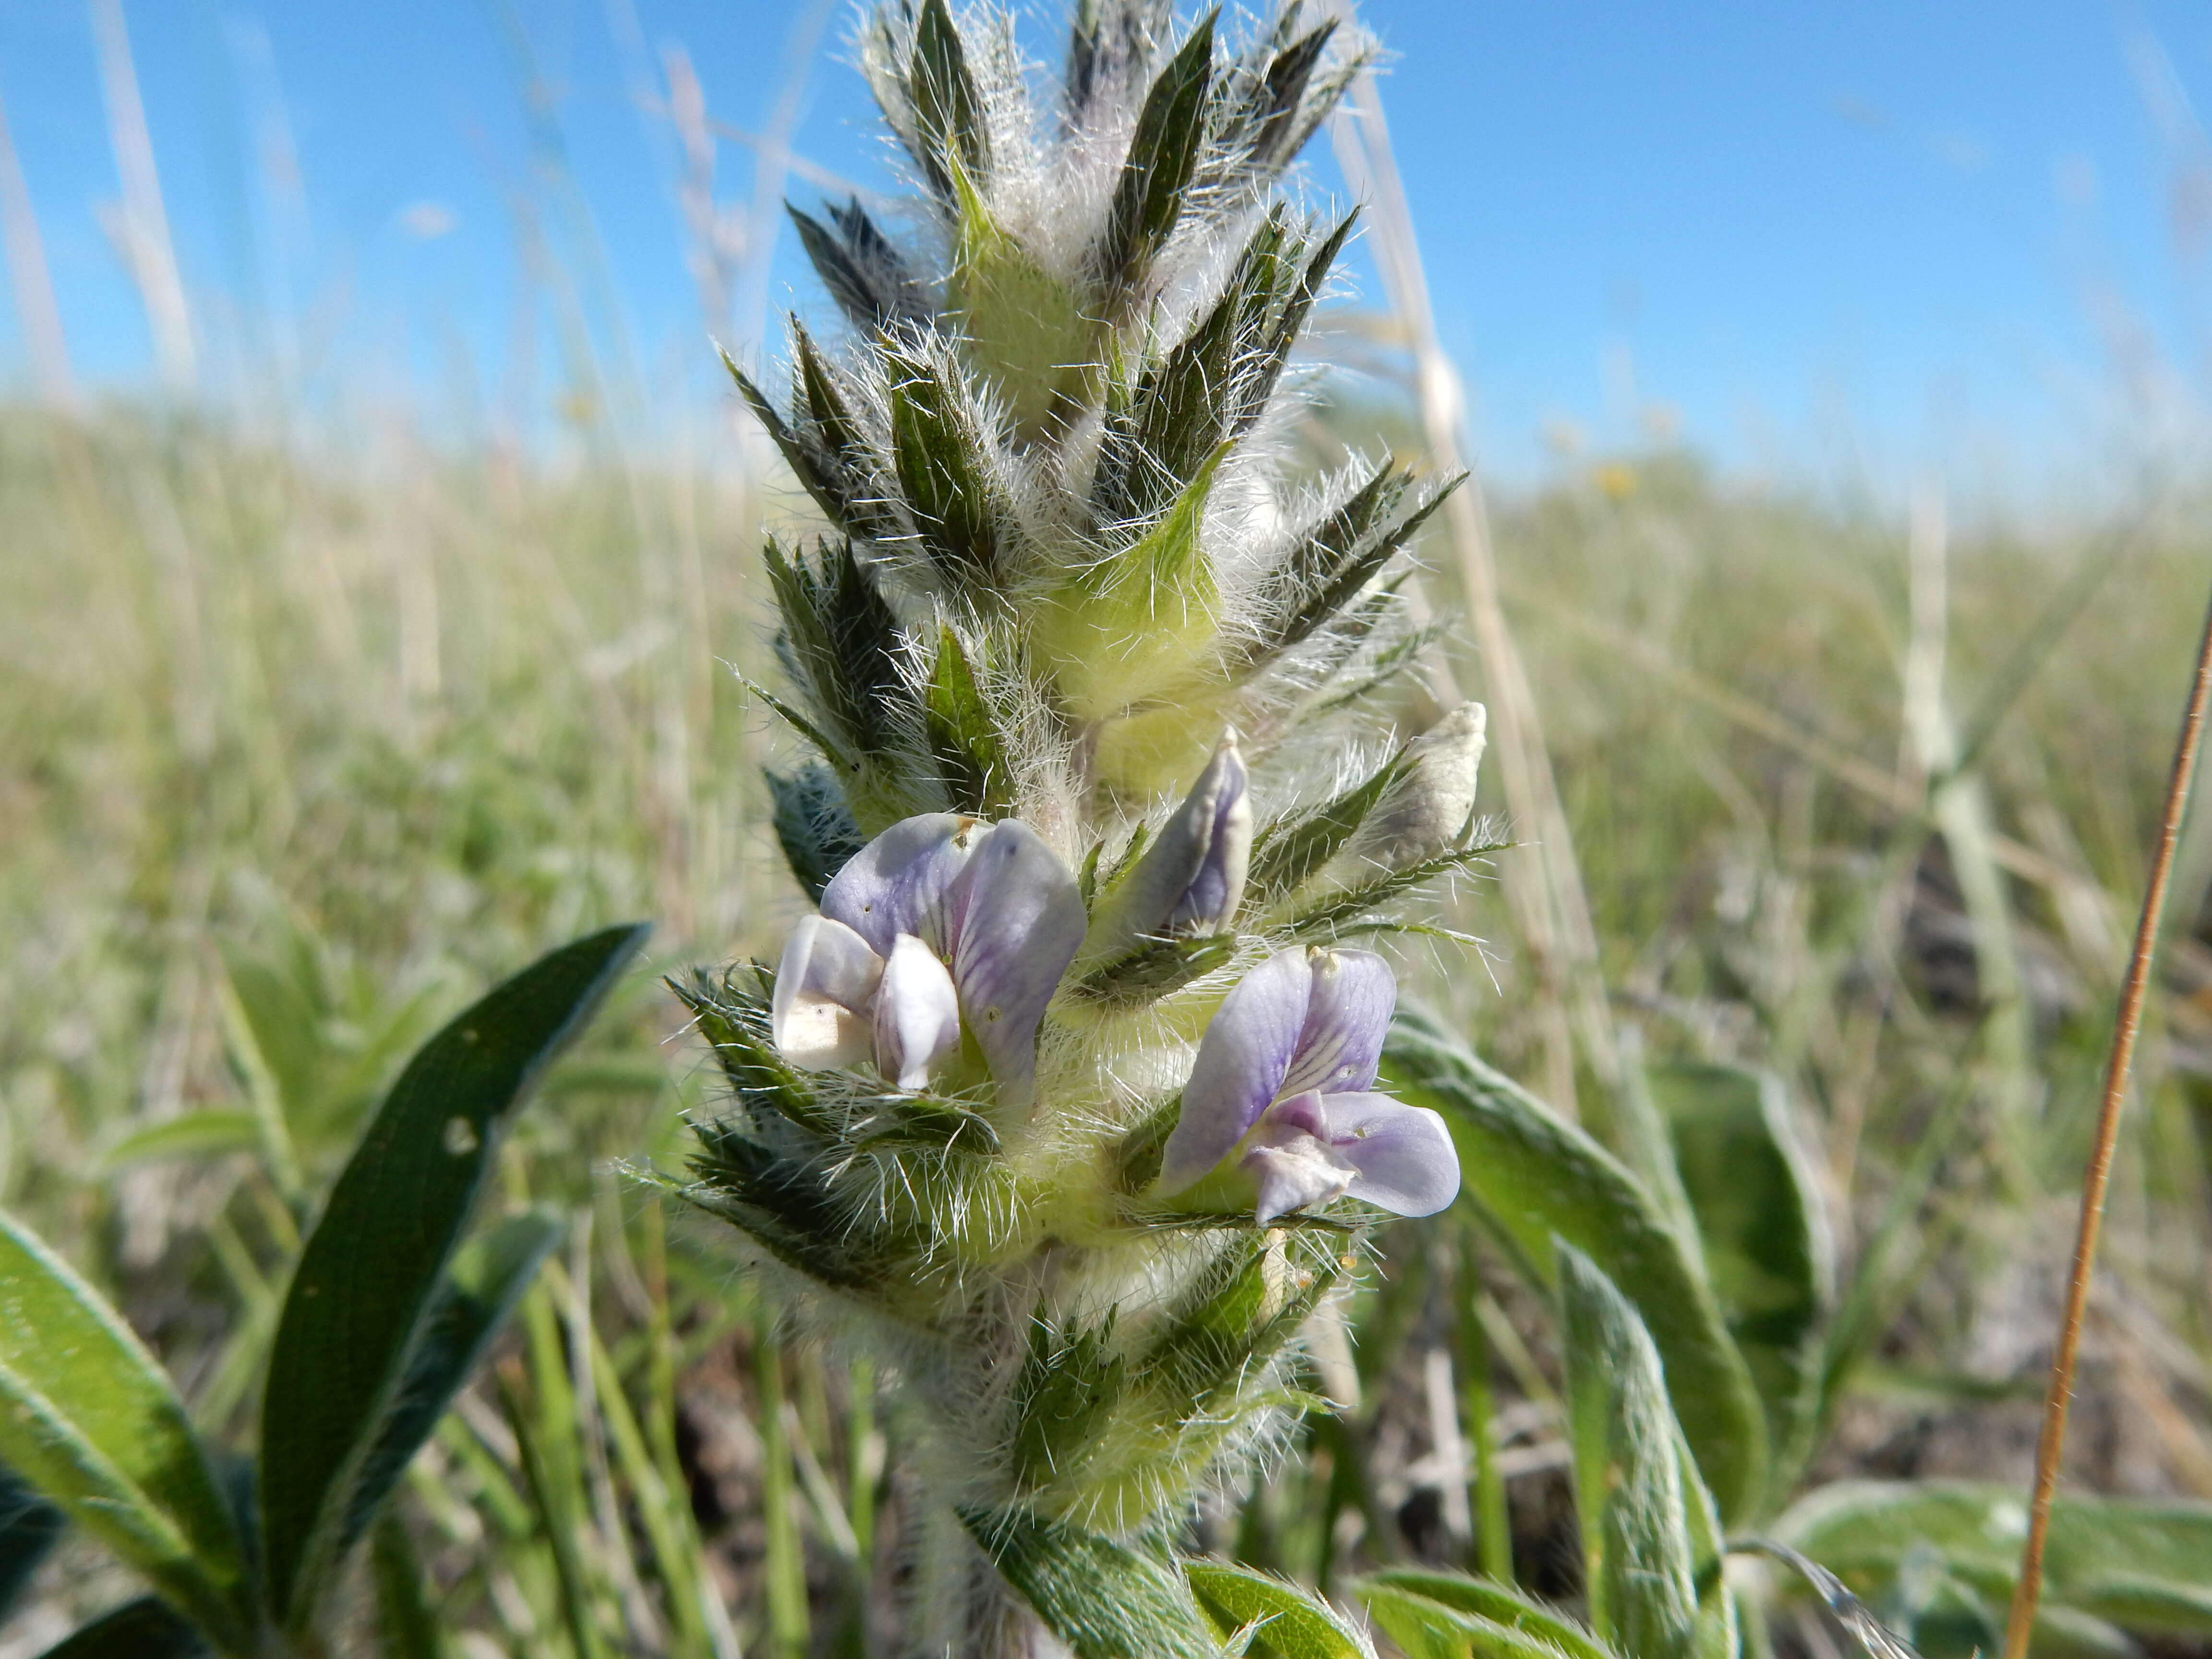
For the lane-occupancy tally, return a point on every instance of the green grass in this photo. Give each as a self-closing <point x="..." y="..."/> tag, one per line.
<point x="296" y="749"/>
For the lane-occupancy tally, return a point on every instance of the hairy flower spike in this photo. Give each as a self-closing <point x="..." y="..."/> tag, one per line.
<point x="967" y="1131"/>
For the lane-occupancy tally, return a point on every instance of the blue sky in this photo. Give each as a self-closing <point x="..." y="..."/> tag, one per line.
<point x="1809" y="237"/>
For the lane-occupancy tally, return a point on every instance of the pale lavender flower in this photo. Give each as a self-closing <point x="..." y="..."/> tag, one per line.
<point x="1278" y="1109"/>
<point x="940" y="922"/>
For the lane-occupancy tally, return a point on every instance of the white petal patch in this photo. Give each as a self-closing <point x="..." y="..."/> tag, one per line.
<point x="825" y="987"/>
<point x="917" y="1014"/>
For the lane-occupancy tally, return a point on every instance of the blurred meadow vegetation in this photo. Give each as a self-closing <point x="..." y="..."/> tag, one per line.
<point x="302" y="744"/>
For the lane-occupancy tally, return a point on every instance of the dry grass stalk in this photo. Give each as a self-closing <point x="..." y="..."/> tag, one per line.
<point x="2052" y="1441"/>
<point x="1545" y="892"/>
<point x="37" y="314"/>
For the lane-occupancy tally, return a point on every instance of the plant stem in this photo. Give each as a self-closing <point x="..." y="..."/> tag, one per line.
<point x="2029" y="1589"/>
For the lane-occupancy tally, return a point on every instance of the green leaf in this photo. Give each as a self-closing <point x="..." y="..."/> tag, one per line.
<point x="1534" y="1177"/>
<point x="2140" y="1564"/>
<point x="1630" y="1499"/>
<point x="213" y="1134"/>
<point x="1430" y="1629"/>
<point x="1103" y="1600"/>
<point x="938" y="451"/>
<point x="29" y="1526"/>
<point x="1487" y="1598"/>
<point x="813" y="825"/>
<point x="1291" y="851"/>
<point x="1148" y="197"/>
<point x="963" y="737"/>
<point x="488" y="1276"/>
<point x="948" y="111"/>
<point x="1768" y="1253"/>
<point x="144" y="1629"/>
<point x="1285" y="1622"/>
<point x="862" y="267"/>
<point x="90" y="1420"/>
<point x="1069" y="1381"/>
<point x="369" y="1285"/>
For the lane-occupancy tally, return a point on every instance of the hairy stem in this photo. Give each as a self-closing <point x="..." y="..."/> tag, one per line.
<point x="2029" y="1591"/>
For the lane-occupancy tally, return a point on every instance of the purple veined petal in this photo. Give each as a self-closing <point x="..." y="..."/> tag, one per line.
<point x="917" y="1014"/>
<point x="1299" y="1172"/>
<point x="898" y="883"/>
<point x="1242" y="1061"/>
<point x="1403" y="1155"/>
<point x="1016" y="918"/>
<point x="818" y="1016"/>
<point x="1347" y="1017"/>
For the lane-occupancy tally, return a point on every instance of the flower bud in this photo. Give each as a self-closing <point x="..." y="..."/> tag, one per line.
<point x="1431" y="810"/>
<point x="1191" y="880"/>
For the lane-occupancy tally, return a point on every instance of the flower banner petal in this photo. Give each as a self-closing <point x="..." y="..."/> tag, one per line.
<point x="899" y="882"/>
<point x="1242" y="1061"/>
<point x="1347" y="1017"/>
<point x="1016" y="918"/>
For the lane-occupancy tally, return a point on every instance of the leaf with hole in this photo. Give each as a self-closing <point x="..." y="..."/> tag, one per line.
<point x="369" y="1288"/>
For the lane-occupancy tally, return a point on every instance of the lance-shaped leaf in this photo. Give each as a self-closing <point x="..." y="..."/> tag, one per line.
<point x="89" y="1419"/>
<point x="1278" y="114"/>
<point x="1210" y="387"/>
<point x="148" y="1628"/>
<point x="1069" y="1380"/>
<point x="2143" y="1564"/>
<point x="488" y="1276"/>
<point x="937" y="447"/>
<point x="950" y="125"/>
<point x="839" y="645"/>
<point x="1291" y="851"/>
<point x="1111" y="46"/>
<point x="1451" y="1615"/>
<point x="1331" y="560"/>
<point x="1148" y="196"/>
<point x="862" y="267"/>
<point x="1764" y="1231"/>
<point x="964" y="736"/>
<point x="1283" y="1621"/>
<point x="1104" y="1602"/>
<point x="1535" y="1176"/>
<point x="1643" y="1567"/>
<point x="370" y="1278"/>
<point x="813" y="825"/>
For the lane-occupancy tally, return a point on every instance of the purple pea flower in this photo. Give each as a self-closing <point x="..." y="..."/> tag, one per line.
<point x="1278" y="1110"/>
<point x="940" y="922"/>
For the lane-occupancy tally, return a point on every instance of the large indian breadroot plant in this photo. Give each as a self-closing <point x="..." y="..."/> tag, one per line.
<point x="1062" y="1106"/>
